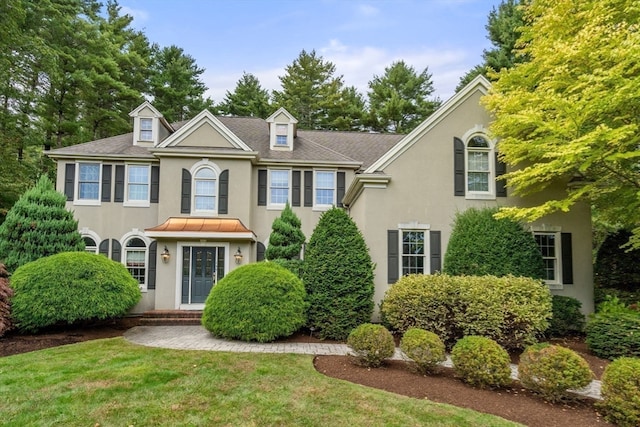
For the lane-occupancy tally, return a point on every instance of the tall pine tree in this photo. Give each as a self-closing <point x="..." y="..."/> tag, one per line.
<point x="248" y="99"/>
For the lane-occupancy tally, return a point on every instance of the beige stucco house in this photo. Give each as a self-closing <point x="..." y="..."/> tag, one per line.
<point x="183" y="204"/>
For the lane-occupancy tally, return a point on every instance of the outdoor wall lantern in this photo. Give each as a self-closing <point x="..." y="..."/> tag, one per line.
<point x="238" y="256"/>
<point x="165" y="255"/>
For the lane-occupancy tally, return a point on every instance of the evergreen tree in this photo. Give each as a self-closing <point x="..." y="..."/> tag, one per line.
<point x="5" y="301"/>
<point x="248" y="99"/>
<point x="338" y="276"/>
<point x="286" y="239"/>
<point x="38" y="225"/>
<point x="349" y="114"/>
<point x="398" y="100"/>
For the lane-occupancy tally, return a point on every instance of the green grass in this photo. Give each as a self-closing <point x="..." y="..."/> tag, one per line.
<point x="115" y="383"/>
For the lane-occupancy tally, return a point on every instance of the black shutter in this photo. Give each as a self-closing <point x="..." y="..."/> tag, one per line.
<point x="155" y="184"/>
<point x="185" y="198"/>
<point x="308" y="188"/>
<point x="106" y="183"/>
<point x="295" y="188"/>
<point x="223" y="200"/>
<point x="103" y="249"/>
<point x="435" y="251"/>
<point x="393" y="259"/>
<point x="119" y="191"/>
<point x="260" y="250"/>
<point x="567" y="259"/>
<point x="69" y="179"/>
<point x="501" y="185"/>
<point x="458" y="167"/>
<point x="340" y="192"/>
<point x="151" y="272"/>
<point x="262" y="187"/>
<point x="115" y="250"/>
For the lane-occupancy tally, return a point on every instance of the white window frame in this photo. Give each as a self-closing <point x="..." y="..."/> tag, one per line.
<point x="412" y="228"/>
<point x="216" y="195"/>
<point x="271" y="204"/>
<point x="146" y="133"/>
<point x="556" y="283"/>
<point x="137" y="203"/>
<point x="87" y="202"/>
<point x="85" y="232"/>
<point x="123" y="244"/>
<point x="282" y="130"/>
<point x="491" y="178"/>
<point x="324" y="206"/>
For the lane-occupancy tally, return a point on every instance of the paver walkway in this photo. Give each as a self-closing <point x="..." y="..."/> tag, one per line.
<point x="198" y="338"/>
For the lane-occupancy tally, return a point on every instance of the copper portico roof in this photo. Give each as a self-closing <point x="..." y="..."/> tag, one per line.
<point x="227" y="228"/>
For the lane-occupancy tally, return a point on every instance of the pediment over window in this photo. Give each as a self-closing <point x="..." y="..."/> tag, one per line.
<point x="282" y="130"/>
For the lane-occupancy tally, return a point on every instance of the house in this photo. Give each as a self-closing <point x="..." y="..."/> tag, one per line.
<point x="181" y="205"/>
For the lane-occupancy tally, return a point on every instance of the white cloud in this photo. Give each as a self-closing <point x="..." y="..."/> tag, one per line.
<point x="367" y="10"/>
<point x="140" y="16"/>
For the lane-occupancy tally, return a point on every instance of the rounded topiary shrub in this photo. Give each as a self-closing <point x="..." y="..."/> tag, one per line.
<point x="621" y="392"/>
<point x="424" y="348"/>
<point x="481" y="362"/>
<point x="257" y="302"/>
<point x="567" y="319"/>
<point x="552" y="370"/>
<point x="71" y="287"/>
<point x="371" y="344"/>
<point x="5" y="301"/>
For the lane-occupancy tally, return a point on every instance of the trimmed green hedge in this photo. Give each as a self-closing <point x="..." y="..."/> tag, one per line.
<point x="256" y="302"/>
<point x="621" y="392"/>
<point x="612" y="335"/>
<point x="514" y="311"/>
<point x="71" y="287"/>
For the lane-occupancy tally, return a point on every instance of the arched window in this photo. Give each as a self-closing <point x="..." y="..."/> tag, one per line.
<point x="90" y="245"/>
<point x="205" y="183"/>
<point x="135" y="259"/>
<point x="480" y="173"/>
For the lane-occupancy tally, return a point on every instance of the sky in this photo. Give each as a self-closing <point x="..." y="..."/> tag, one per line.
<point x="360" y="37"/>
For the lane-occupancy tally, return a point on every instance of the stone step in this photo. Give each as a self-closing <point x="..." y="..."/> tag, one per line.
<point x="169" y="321"/>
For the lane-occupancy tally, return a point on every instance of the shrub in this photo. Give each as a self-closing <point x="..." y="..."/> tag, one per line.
<point x="481" y="362"/>
<point x="71" y="287"/>
<point x="614" y="334"/>
<point x="621" y="392"/>
<point x="286" y="239"/>
<point x="425" y="348"/>
<point x="567" y="318"/>
<point x="371" y="344"/>
<point x="257" y="302"/>
<point x="38" y="225"/>
<point x="482" y="245"/>
<point x="552" y="370"/>
<point x="5" y="301"/>
<point x="511" y="310"/>
<point x="296" y="266"/>
<point x="338" y="276"/>
<point x="615" y="266"/>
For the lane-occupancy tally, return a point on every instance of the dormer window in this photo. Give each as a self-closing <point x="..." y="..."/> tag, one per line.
<point x="282" y="130"/>
<point x="281" y="135"/>
<point x="146" y="129"/>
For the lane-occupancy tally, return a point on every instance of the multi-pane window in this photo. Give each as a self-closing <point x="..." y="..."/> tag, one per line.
<point x="146" y="129"/>
<point x="548" y="244"/>
<point x="88" y="181"/>
<point x="279" y="187"/>
<point x="478" y="165"/>
<point x="413" y="252"/>
<point x="325" y="188"/>
<point x="90" y="245"/>
<point x="135" y="252"/>
<point x="281" y="134"/>
<point x="205" y="183"/>
<point x="138" y="183"/>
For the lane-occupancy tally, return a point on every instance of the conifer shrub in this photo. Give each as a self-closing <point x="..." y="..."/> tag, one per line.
<point x="552" y="370"/>
<point x="621" y="392"/>
<point x="614" y="334"/>
<point x="482" y="245"/>
<point x="567" y="319"/>
<point x="371" y="344"/>
<point x="338" y="276"/>
<point x="256" y="302"/>
<point x="511" y="310"/>
<point x="424" y="348"/>
<point x="286" y="238"/>
<point x="5" y="301"/>
<point x="481" y="362"/>
<point x="69" y="288"/>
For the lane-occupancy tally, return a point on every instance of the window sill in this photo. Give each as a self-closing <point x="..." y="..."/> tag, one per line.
<point x="86" y="203"/>
<point x="479" y="196"/>
<point x="555" y="286"/>
<point x="322" y="208"/>
<point x="136" y="204"/>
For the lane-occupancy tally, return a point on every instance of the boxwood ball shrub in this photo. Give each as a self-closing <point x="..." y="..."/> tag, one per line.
<point x="371" y="344"/>
<point x="621" y="392"/>
<point x="481" y="362"/>
<point x="256" y="302"/>
<point x="552" y="370"/>
<point x="567" y="319"/>
<point x="424" y="348"/>
<point x="71" y="287"/>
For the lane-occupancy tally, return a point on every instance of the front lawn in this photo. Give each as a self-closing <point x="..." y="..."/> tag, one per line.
<point x="114" y="383"/>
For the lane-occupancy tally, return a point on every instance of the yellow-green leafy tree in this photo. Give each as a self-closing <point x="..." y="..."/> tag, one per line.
<point x="572" y="111"/>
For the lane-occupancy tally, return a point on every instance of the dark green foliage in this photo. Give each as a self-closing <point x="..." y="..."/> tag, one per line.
<point x="286" y="239"/>
<point x="511" y="310"/>
<point x="38" y="225"/>
<point x="248" y="99"/>
<point x="600" y="295"/>
<point x="552" y="370"/>
<point x="616" y="267"/>
<point x="371" y="344"/>
<point x="5" y="301"/>
<point x="567" y="318"/>
<point x="621" y="392"/>
<point x="424" y="348"/>
<point x="71" y="287"/>
<point x="338" y="276"/>
<point x="614" y="334"/>
<point x="481" y="362"/>
<point x="483" y="245"/>
<point x="296" y="266"/>
<point x="256" y="302"/>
